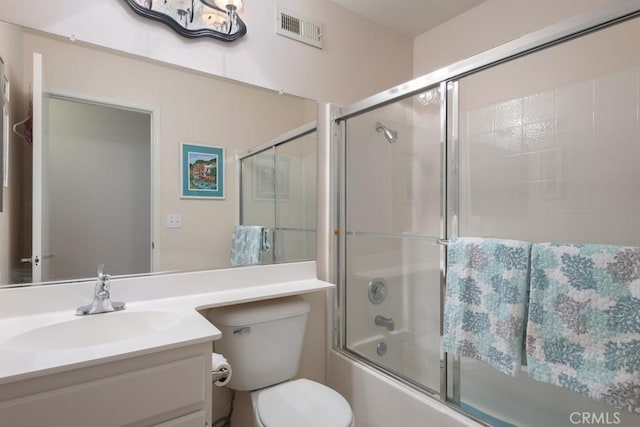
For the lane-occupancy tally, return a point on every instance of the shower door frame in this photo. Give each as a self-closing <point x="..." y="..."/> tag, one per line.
<point x="447" y="79"/>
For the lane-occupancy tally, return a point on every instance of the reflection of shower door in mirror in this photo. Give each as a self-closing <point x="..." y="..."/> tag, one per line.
<point x="91" y="165"/>
<point x="277" y="191"/>
<point x="258" y="202"/>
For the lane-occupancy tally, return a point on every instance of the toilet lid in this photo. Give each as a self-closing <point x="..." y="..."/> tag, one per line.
<point x="303" y="403"/>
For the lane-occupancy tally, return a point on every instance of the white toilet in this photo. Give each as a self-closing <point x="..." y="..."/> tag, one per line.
<point x="263" y="342"/>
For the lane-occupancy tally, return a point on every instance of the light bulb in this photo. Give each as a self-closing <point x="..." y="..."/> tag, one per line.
<point x="235" y="5"/>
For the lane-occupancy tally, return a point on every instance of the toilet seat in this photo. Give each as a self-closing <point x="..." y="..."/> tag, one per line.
<point x="302" y="403"/>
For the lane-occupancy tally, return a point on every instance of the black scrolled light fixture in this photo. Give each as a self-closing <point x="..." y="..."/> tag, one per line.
<point x="196" y="18"/>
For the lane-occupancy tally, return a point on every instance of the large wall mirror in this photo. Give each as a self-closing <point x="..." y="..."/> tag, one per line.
<point x="113" y="127"/>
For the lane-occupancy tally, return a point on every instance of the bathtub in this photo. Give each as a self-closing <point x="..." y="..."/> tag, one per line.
<point x="400" y="352"/>
<point x="378" y="400"/>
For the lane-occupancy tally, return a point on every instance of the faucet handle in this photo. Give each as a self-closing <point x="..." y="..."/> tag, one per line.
<point x="102" y="276"/>
<point x="103" y="285"/>
<point x="101" y="297"/>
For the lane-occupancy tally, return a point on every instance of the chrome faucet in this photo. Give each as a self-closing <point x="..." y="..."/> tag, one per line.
<point x="101" y="298"/>
<point x="387" y="322"/>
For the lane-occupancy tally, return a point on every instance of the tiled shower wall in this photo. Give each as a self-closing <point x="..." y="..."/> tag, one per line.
<point x="557" y="165"/>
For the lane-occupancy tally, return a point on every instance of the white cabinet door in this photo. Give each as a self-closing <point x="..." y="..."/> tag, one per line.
<point x="196" y="419"/>
<point x="116" y="396"/>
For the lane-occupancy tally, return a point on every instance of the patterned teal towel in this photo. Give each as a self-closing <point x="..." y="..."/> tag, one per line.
<point x="583" y="331"/>
<point x="246" y="243"/>
<point x="487" y="284"/>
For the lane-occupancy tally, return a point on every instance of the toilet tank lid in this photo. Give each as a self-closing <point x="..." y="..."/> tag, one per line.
<point x="258" y="312"/>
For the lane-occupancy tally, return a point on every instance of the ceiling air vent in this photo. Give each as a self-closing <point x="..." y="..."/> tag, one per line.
<point x="297" y="28"/>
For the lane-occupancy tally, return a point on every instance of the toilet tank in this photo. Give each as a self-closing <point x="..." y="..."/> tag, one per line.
<point x="261" y="340"/>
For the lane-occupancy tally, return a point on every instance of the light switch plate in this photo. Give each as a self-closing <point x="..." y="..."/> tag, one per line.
<point x="174" y="221"/>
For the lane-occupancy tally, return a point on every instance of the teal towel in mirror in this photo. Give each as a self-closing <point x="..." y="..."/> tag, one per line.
<point x="487" y="284"/>
<point x="583" y="331"/>
<point x="246" y="243"/>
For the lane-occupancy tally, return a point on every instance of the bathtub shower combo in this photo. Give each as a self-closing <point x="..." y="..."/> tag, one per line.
<point x="537" y="140"/>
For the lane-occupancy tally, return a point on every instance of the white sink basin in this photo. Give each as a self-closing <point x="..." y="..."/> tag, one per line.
<point x="96" y="329"/>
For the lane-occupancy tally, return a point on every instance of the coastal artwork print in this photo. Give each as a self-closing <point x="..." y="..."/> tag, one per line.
<point x="202" y="171"/>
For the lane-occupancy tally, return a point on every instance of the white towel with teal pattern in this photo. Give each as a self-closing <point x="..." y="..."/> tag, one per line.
<point x="583" y="331"/>
<point x="246" y="243"/>
<point x="484" y="313"/>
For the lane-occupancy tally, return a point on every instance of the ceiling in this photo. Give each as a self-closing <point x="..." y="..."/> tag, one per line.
<point x="409" y="17"/>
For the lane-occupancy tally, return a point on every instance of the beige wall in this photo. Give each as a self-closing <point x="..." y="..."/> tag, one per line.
<point x="490" y="24"/>
<point x="11" y="234"/>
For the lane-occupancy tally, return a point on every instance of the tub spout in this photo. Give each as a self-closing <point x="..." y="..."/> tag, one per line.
<point x="387" y="322"/>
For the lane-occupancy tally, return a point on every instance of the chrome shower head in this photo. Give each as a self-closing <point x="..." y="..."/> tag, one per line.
<point x="390" y="135"/>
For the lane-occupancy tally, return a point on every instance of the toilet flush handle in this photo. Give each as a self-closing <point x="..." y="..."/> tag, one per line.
<point x="242" y="331"/>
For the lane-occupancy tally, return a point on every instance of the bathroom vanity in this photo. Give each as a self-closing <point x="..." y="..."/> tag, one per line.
<point x="148" y="365"/>
<point x="168" y="388"/>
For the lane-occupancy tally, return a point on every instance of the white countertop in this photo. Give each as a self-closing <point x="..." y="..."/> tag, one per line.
<point x="24" y="310"/>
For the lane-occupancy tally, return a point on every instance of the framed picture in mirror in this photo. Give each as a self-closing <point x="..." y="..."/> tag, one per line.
<point x="271" y="177"/>
<point x="202" y="171"/>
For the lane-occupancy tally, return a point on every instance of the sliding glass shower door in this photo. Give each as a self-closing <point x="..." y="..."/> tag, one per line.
<point x="393" y="219"/>
<point x="549" y="151"/>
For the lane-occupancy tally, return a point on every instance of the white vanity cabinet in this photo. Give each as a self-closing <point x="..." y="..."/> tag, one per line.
<point x="170" y="388"/>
